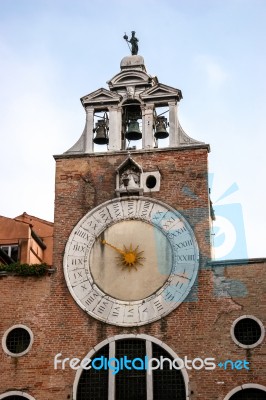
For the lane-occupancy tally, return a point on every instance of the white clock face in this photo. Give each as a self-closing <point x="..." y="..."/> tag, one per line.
<point x="131" y="261"/>
<point x="151" y="262"/>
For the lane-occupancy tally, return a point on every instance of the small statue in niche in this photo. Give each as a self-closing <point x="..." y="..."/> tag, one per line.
<point x="130" y="92"/>
<point x="129" y="179"/>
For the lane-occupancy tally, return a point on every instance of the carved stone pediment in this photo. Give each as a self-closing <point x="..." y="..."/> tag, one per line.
<point x="161" y="91"/>
<point x="130" y="78"/>
<point x="100" y="96"/>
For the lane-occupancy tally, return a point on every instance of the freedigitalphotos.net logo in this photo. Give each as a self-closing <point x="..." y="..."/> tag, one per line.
<point x="228" y="227"/>
<point x="228" y="240"/>
<point x="148" y="364"/>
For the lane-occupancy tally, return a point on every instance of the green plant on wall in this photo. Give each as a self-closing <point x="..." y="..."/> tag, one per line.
<point x="25" y="269"/>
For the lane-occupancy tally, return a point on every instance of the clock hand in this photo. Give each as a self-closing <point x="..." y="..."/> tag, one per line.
<point x="130" y="257"/>
<point x="113" y="247"/>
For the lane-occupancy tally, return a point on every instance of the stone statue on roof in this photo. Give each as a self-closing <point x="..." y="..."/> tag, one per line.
<point x="134" y="43"/>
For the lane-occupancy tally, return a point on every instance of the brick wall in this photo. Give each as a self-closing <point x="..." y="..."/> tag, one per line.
<point x="200" y="327"/>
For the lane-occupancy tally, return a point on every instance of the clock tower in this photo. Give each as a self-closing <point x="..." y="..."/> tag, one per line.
<point x="132" y="223"/>
<point x="135" y="279"/>
<point x="134" y="308"/>
<point x="138" y="199"/>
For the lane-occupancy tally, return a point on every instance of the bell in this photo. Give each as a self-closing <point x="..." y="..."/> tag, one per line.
<point x="161" y="132"/>
<point x="101" y="133"/>
<point x="133" y="132"/>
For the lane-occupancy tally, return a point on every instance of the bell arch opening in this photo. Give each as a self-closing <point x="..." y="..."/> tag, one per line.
<point x="131" y="123"/>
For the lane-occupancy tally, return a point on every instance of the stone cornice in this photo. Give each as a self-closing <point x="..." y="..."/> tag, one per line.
<point x="138" y="151"/>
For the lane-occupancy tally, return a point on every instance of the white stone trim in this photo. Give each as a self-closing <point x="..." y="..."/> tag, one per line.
<point x="149" y="379"/>
<point x="113" y="339"/>
<point x="157" y="176"/>
<point x="245" y="386"/>
<point x="111" y="376"/>
<point x="147" y="126"/>
<point x="115" y="119"/>
<point x="247" y="346"/>
<point x="16" y="393"/>
<point x="89" y="145"/>
<point x="173" y="124"/>
<point x="5" y="337"/>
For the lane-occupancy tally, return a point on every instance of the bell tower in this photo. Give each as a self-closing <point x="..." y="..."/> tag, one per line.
<point x="137" y="112"/>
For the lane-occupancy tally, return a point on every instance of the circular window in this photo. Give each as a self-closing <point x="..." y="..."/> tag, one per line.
<point x="17" y="340"/>
<point x="247" y="331"/>
<point x="151" y="182"/>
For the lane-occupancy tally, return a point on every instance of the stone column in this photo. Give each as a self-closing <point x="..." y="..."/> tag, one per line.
<point x="111" y="376"/>
<point x="173" y="124"/>
<point x="88" y="143"/>
<point x="149" y="375"/>
<point x="115" y="120"/>
<point x="147" y="127"/>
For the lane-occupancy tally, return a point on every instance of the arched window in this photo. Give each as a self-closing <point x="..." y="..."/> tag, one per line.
<point x="249" y="394"/>
<point x="247" y="391"/>
<point x="15" y="395"/>
<point x="131" y="384"/>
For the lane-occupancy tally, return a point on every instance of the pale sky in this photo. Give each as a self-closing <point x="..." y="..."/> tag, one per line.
<point x="52" y="52"/>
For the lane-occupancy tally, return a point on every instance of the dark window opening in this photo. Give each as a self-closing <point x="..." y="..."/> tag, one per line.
<point x="249" y="394"/>
<point x="167" y="383"/>
<point x="93" y="384"/>
<point x="130" y="384"/>
<point x="18" y="340"/>
<point x="247" y="331"/>
<point x="12" y="251"/>
<point x="151" y="182"/>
